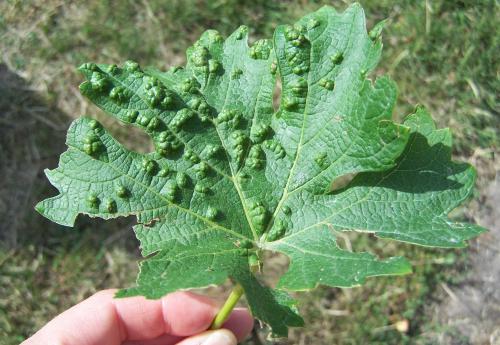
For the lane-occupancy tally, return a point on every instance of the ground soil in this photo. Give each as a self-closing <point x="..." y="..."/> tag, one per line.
<point x="473" y="308"/>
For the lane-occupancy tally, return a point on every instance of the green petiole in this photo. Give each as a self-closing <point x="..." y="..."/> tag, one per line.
<point x="228" y="307"/>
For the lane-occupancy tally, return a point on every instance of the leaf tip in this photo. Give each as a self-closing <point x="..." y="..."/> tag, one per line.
<point x="400" y="265"/>
<point x="376" y="31"/>
<point x="40" y="208"/>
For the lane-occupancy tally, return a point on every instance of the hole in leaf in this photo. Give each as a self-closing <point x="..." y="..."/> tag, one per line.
<point x="362" y="241"/>
<point x="344" y="239"/>
<point x="341" y="182"/>
<point x="275" y="265"/>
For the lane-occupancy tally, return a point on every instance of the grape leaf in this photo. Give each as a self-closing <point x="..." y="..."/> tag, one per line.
<point x="231" y="178"/>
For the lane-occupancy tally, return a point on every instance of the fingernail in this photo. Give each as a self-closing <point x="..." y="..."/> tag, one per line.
<point x="221" y="337"/>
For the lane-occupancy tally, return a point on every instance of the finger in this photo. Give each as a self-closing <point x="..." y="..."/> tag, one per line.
<point x="179" y="314"/>
<point x="218" y="337"/>
<point x="187" y="313"/>
<point x="115" y="320"/>
<point x="240" y="323"/>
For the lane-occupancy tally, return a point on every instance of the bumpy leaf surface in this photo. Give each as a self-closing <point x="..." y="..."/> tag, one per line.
<point x="230" y="177"/>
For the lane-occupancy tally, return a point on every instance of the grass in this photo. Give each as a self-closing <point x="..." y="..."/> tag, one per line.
<point x="442" y="54"/>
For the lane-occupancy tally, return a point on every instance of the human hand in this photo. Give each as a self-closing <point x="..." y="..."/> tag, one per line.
<point x="180" y="318"/>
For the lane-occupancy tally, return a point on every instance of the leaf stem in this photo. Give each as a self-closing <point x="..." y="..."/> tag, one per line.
<point x="228" y="307"/>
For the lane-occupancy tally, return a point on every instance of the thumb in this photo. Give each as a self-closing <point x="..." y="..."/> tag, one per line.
<point x="218" y="337"/>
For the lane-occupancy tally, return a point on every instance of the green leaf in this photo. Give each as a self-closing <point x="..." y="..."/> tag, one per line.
<point x="408" y="203"/>
<point x="231" y="178"/>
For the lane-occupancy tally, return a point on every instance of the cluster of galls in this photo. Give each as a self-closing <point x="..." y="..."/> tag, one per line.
<point x="150" y="166"/>
<point x="171" y="189"/>
<point x="276" y="147"/>
<point x="201" y="59"/>
<point x="238" y="142"/>
<point x="259" y="132"/>
<point x="158" y="95"/>
<point x="229" y="118"/>
<point x="190" y="85"/>
<point x="322" y="160"/>
<point x="261" y="49"/>
<point x="336" y="59"/>
<point x="191" y="156"/>
<point x="297" y="49"/>
<point x="109" y="204"/>
<point x="202" y="169"/>
<point x="178" y="179"/>
<point x="277" y="231"/>
<point x="170" y="192"/>
<point x="167" y="142"/>
<point x="212" y="150"/>
<point x="119" y="94"/>
<point x="297" y="53"/>
<point x="259" y="216"/>
<point x="327" y="83"/>
<point x="201" y="106"/>
<point x="94" y="202"/>
<point x="180" y="118"/>
<point x="256" y="157"/>
<point x="195" y="101"/>
<point x="99" y="82"/>
<point x="298" y="90"/>
<point x="152" y="124"/>
<point x="211" y="213"/>
<point x="149" y="123"/>
<point x="92" y="144"/>
<point x="259" y="137"/>
<point x="236" y="73"/>
<point x="241" y="32"/>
